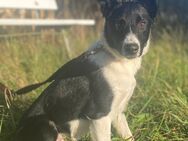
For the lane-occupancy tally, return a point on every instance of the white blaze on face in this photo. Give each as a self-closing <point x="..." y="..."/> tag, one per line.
<point x="131" y="39"/>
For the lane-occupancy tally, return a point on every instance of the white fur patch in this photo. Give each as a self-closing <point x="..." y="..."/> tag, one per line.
<point x="121" y="126"/>
<point x="131" y="39"/>
<point x="146" y="48"/>
<point x="78" y="128"/>
<point x="100" y="129"/>
<point x="120" y="77"/>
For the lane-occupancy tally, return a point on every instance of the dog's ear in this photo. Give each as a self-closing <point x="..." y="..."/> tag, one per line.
<point x="151" y="6"/>
<point x="107" y="6"/>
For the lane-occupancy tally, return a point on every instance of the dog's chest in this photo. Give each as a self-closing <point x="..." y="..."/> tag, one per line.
<point x="120" y="78"/>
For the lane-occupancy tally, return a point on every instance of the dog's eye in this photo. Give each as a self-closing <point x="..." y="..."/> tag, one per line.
<point x="120" y="24"/>
<point x="142" y="24"/>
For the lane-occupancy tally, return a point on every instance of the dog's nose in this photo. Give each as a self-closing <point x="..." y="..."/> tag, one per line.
<point x="132" y="48"/>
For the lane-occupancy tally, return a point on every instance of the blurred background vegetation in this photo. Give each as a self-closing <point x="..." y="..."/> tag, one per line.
<point x="172" y="13"/>
<point x="158" y="110"/>
<point x="169" y="10"/>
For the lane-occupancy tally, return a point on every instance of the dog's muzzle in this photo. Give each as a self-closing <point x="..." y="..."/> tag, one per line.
<point x="130" y="50"/>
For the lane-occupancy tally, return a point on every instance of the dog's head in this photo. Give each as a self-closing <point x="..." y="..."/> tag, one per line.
<point x="127" y="24"/>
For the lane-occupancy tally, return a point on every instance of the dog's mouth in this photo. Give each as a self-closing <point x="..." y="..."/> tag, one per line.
<point x="130" y="51"/>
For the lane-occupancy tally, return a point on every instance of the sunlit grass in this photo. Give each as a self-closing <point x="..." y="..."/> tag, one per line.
<point x="158" y="110"/>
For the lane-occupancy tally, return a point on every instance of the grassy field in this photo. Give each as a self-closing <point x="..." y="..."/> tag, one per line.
<point x="158" y="110"/>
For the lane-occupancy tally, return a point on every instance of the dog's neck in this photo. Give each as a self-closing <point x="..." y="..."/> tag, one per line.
<point x="133" y="65"/>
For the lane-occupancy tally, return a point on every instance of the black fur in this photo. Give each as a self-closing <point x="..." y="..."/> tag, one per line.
<point x="107" y="6"/>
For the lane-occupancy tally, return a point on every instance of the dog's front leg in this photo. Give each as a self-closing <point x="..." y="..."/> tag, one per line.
<point x="100" y="129"/>
<point x="121" y="126"/>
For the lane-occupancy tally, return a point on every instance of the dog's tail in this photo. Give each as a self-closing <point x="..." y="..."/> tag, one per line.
<point x="76" y="67"/>
<point x="21" y="91"/>
<point x="24" y="90"/>
<point x="32" y="87"/>
<point x="29" y="88"/>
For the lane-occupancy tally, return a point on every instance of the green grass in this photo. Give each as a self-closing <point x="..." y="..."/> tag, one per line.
<point x="158" y="110"/>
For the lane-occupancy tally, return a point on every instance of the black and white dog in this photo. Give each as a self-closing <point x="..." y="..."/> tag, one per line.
<point x="94" y="88"/>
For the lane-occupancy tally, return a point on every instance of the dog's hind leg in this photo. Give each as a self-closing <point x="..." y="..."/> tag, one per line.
<point x="78" y="128"/>
<point x="100" y="129"/>
<point x="38" y="128"/>
<point x="121" y="126"/>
